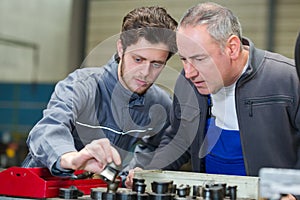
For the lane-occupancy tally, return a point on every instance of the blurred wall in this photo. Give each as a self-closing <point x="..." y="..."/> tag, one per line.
<point x="287" y="26"/>
<point x="34" y="40"/>
<point x="105" y="17"/>
<point x="41" y="41"/>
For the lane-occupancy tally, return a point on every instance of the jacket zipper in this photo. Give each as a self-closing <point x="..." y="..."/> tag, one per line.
<point x="265" y="101"/>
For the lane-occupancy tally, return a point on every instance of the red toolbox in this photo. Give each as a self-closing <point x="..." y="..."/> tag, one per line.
<point x="39" y="183"/>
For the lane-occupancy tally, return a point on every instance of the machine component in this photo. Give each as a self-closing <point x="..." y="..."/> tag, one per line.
<point x="161" y="187"/>
<point x="143" y="196"/>
<point x="244" y="187"/>
<point x="183" y="190"/>
<point x="274" y="182"/>
<point x="108" y="196"/>
<point x="213" y="193"/>
<point x="155" y="196"/>
<point x="96" y="193"/>
<point x="109" y="175"/>
<point x="126" y="195"/>
<point x="139" y="187"/>
<point x="197" y="191"/>
<point x="83" y="175"/>
<point x="223" y="185"/>
<point x="70" y="193"/>
<point x="112" y="187"/>
<point x="231" y="192"/>
<point x="110" y="172"/>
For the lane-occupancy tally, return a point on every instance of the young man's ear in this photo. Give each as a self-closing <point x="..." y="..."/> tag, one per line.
<point x="120" y="48"/>
<point x="233" y="46"/>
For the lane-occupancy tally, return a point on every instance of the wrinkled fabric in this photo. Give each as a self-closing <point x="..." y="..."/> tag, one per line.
<point x="93" y="97"/>
<point x="267" y="98"/>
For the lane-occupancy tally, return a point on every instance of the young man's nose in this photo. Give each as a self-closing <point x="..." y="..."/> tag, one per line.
<point x="145" y="69"/>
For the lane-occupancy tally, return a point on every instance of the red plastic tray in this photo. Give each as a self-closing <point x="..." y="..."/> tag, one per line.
<point x="39" y="183"/>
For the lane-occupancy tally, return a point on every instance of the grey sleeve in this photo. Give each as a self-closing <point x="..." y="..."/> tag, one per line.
<point x="52" y="135"/>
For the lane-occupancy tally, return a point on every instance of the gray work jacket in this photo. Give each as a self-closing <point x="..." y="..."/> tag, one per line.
<point x="91" y="104"/>
<point x="267" y="103"/>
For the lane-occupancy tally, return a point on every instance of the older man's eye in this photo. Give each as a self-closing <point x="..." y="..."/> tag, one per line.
<point x="200" y="59"/>
<point x="138" y="60"/>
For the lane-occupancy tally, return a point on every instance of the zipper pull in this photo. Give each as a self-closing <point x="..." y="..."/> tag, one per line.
<point x="250" y="103"/>
<point x="209" y="112"/>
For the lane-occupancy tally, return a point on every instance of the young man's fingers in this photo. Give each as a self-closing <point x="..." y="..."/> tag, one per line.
<point x="97" y="151"/>
<point x="107" y="151"/>
<point x="116" y="158"/>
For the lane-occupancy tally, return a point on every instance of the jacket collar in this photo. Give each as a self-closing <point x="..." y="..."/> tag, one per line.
<point x="256" y="57"/>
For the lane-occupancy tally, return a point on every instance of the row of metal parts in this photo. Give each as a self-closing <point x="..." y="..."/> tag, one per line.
<point x="163" y="190"/>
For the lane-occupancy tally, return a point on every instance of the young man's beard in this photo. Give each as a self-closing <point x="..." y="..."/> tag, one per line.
<point x="135" y="90"/>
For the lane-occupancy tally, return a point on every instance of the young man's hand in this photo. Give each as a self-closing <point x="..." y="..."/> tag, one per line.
<point x="93" y="157"/>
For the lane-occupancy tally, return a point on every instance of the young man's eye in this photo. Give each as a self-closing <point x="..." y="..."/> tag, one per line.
<point x="157" y="65"/>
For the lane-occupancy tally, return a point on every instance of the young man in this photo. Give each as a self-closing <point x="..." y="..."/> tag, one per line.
<point x="98" y="115"/>
<point x="236" y="107"/>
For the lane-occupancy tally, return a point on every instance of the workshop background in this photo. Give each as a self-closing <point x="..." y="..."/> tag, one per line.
<point x="41" y="41"/>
